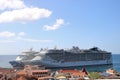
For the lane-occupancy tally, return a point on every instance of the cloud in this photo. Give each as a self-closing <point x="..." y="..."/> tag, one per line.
<point x="7" y="34"/>
<point x="34" y="40"/>
<point x="21" y="34"/>
<point x="17" y="11"/>
<point x="11" y="4"/>
<point x="7" y="41"/>
<point x="24" y="15"/>
<point x="55" y="26"/>
<point x="14" y="37"/>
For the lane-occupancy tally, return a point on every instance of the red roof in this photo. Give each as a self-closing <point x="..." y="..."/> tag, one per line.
<point x="6" y="70"/>
<point x="22" y="72"/>
<point x="47" y="77"/>
<point x="21" y="78"/>
<point x="75" y="72"/>
<point x="40" y="70"/>
<point x="68" y="71"/>
<point x="79" y="74"/>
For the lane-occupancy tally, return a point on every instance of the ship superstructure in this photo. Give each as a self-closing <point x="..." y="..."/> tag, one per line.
<point x="67" y="57"/>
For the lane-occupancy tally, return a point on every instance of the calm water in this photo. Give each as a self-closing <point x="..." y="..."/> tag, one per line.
<point x="4" y="62"/>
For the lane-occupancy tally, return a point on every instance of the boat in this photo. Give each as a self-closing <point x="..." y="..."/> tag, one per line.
<point x="59" y="58"/>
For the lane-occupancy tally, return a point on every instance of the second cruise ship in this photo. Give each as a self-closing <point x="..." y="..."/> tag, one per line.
<point x="51" y="58"/>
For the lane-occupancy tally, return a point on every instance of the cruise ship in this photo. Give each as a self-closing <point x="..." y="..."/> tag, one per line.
<point x="53" y="58"/>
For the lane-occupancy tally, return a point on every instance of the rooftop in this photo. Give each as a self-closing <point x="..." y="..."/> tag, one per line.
<point x="40" y="70"/>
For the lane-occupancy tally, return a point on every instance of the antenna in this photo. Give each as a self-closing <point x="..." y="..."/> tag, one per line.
<point x="55" y="47"/>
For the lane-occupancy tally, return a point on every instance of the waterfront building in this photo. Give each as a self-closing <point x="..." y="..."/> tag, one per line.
<point x="72" y="74"/>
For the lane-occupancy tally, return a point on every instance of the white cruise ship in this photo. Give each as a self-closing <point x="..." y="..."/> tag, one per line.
<point x="53" y="58"/>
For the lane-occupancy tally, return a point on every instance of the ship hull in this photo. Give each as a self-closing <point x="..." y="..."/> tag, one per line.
<point x="53" y="58"/>
<point x="49" y="64"/>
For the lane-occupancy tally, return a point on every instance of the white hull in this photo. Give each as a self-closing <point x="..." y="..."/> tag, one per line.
<point x="69" y="64"/>
<point x="64" y="58"/>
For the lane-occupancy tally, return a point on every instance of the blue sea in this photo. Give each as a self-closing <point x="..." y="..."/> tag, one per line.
<point x="4" y="62"/>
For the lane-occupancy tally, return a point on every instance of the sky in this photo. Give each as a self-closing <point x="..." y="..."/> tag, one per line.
<point x="37" y="24"/>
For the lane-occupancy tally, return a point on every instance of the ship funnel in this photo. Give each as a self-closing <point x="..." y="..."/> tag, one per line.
<point x="31" y="49"/>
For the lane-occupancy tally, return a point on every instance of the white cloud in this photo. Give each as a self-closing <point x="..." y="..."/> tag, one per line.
<point x="34" y="40"/>
<point x="17" y="11"/>
<point x="7" y="41"/>
<point x="7" y="34"/>
<point x="14" y="37"/>
<point x="57" y="25"/>
<point x="24" y="15"/>
<point x="21" y="34"/>
<point x="11" y="4"/>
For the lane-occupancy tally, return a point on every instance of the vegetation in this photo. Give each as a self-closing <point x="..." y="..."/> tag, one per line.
<point x="94" y="75"/>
